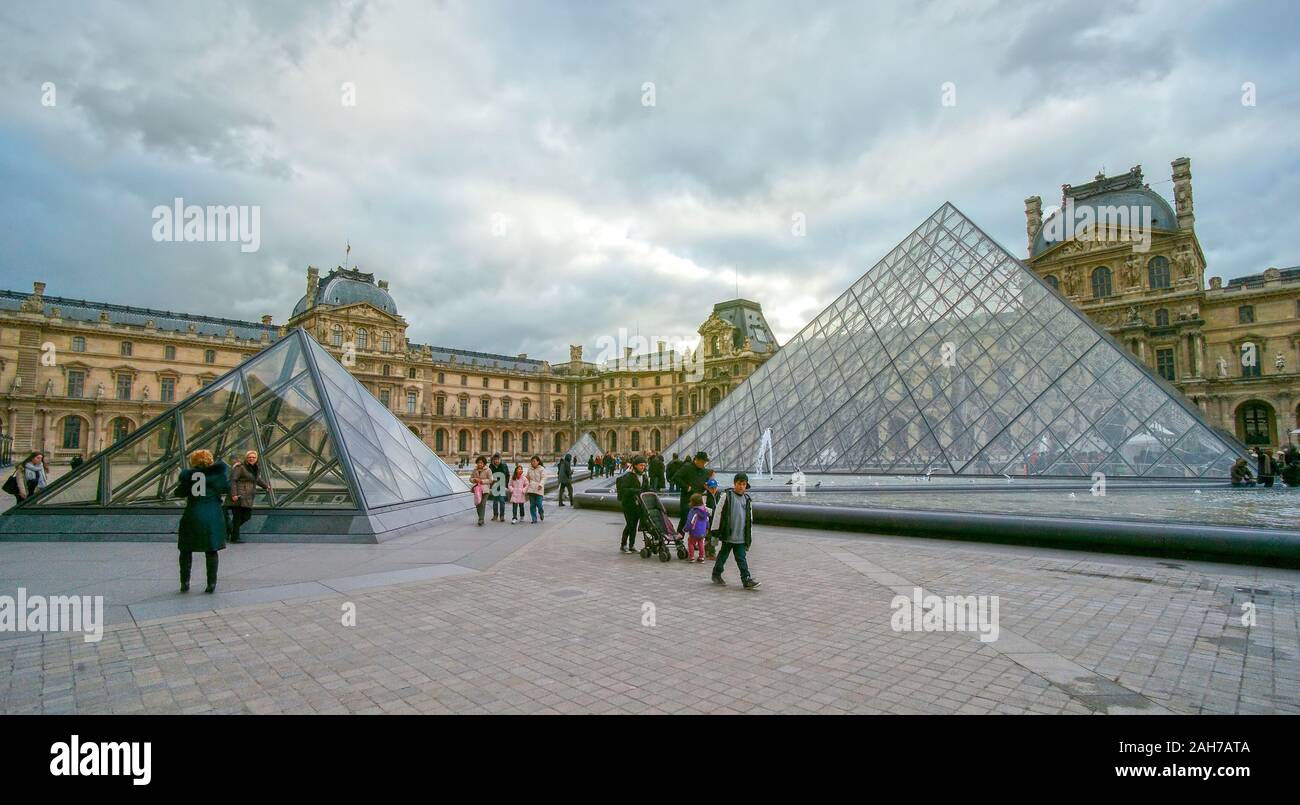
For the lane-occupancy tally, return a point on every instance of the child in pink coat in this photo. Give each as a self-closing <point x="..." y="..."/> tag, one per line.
<point x="518" y="494"/>
<point x="697" y="528"/>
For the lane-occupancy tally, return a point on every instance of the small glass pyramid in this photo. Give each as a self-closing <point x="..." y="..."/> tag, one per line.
<point x="950" y="356"/>
<point x="583" y="449"/>
<point x="325" y="442"/>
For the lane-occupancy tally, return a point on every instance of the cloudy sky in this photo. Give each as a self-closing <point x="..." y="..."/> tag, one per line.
<point x="503" y="169"/>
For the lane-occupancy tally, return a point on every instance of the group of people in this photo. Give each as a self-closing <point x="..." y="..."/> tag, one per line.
<point x="1284" y="463"/>
<point x="716" y="524"/>
<point x="494" y="480"/>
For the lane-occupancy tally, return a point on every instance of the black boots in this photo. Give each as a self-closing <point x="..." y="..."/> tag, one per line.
<point x="211" y="557"/>
<point x="187" y="561"/>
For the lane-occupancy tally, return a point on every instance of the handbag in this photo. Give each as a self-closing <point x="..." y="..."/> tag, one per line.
<point x="11" y="485"/>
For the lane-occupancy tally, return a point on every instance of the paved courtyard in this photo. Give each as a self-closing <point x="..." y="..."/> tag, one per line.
<point x="549" y="619"/>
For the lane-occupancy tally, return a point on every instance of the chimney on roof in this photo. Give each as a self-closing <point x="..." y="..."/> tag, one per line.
<point x="383" y="285"/>
<point x="38" y="288"/>
<point x="266" y="319"/>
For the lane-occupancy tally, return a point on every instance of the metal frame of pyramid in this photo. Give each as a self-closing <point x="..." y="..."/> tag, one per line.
<point x="582" y="449"/>
<point x="950" y="356"/>
<point x="341" y="466"/>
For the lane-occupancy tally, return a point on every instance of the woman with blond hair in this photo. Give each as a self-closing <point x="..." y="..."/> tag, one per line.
<point x="203" y="525"/>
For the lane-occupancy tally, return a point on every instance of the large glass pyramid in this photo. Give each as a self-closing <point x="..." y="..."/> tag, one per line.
<point x="950" y="356"/>
<point x="326" y="444"/>
<point x="583" y="449"/>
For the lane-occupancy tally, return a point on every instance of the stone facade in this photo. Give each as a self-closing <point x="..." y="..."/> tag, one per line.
<point x="1233" y="349"/>
<point x="75" y="376"/>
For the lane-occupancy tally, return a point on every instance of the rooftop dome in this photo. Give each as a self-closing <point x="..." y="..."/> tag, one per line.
<point x="346" y="287"/>
<point x="1125" y="190"/>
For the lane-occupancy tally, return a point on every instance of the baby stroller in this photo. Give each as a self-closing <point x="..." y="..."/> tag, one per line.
<point x="658" y="530"/>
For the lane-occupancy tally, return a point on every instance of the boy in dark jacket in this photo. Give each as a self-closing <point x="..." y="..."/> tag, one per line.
<point x="564" y="475"/>
<point x="732" y="524"/>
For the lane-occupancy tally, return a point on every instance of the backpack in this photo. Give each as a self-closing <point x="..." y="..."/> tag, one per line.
<point x="698" y="523"/>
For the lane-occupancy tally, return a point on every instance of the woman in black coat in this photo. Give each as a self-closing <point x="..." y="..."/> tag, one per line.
<point x="203" y="525"/>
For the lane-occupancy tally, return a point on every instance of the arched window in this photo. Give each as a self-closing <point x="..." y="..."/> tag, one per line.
<point x="414" y="430"/>
<point x="1101" y="287"/>
<point x="336" y="336"/>
<point x="715" y="397"/>
<point x="636" y="440"/>
<point x="505" y="442"/>
<point x="72" y="428"/>
<point x="484" y="442"/>
<point x="1254" y="422"/>
<point x="559" y="442"/>
<point x="656" y="439"/>
<point x="1051" y="280"/>
<point x="121" y="428"/>
<point x="526" y="442"/>
<point x="462" y="441"/>
<point x="363" y="339"/>
<point x="1158" y="272"/>
<point x="440" y="440"/>
<point x="1162" y="317"/>
<point x="611" y="444"/>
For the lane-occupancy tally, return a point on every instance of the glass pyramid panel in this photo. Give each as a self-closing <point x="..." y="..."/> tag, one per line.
<point x="951" y="356"/>
<point x="324" y="442"/>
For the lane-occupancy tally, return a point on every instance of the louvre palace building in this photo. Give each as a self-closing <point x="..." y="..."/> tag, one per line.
<point x="76" y="376"/>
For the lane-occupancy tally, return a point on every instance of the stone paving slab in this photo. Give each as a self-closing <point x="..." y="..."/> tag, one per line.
<point x="563" y="622"/>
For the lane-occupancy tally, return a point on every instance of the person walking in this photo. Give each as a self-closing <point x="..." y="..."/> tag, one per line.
<point x="690" y="479"/>
<point x="28" y="478"/>
<point x="697" y="529"/>
<point x="203" y="527"/>
<point x="245" y="477"/>
<point x="591" y="466"/>
<point x="609" y="465"/>
<point x="480" y="480"/>
<point x="518" y="493"/>
<point x="671" y="472"/>
<point x="629" y="486"/>
<point x="500" y="486"/>
<point x="537" y="489"/>
<point x="564" y="474"/>
<point x="732" y="523"/>
<point x="76" y="461"/>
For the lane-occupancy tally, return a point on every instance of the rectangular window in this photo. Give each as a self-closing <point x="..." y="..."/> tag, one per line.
<point x="76" y="384"/>
<point x="1165" y="363"/>
<point x="124" y="349"/>
<point x="505" y="383"/>
<point x="464" y="380"/>
<point x="440" y="405"/>
<point x="124" y="387"/>
<point x="385" y="397"/>
<point x="485" y="382"/>
<point x="168" y="390"/>
<point x="410" y="402"/>
<point x="169" y="352"/>
<point x="483" y="408"/>
<point x="464" y="407"/>
<point x="1246" y="314"/>
<point x="78" y="344"/>
<point x="441" y="378"/>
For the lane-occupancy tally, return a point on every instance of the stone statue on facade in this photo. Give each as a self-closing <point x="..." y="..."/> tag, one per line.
<point x="99" y="391"/>
<point x="1223" y="366"/>
<point x="1131" y="278"/>
<point x="1280" y="362"/>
